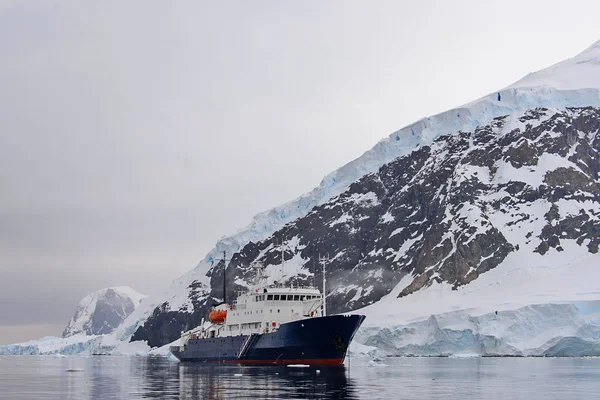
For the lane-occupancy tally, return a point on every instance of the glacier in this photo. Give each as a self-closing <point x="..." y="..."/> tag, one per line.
<point x="528" y="306"/>
<point x="79" y="344"/>
<point x="552" y="329"/>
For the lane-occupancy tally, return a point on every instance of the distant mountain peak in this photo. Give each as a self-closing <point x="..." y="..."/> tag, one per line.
<point x="100" y="312"/>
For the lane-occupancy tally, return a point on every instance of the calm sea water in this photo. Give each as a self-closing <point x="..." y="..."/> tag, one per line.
<point x="47" y="377"/>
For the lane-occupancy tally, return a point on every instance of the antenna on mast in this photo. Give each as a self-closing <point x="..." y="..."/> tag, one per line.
<point x="324" y="261"/>
<point x="282" y="261"/>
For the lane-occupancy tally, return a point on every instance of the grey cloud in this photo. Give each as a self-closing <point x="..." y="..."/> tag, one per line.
<point x="134" y="134"/>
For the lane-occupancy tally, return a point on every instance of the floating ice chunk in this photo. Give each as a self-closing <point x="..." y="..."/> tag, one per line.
<point x="465" y="355"/>
<point x="373" y="363"/>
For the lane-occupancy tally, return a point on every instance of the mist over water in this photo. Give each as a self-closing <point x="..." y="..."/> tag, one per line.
<point x="49" y="377"/>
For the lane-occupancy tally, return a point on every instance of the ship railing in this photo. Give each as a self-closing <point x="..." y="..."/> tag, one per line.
<point x="282" y="285"/>
<point x="260" y="289"/>
<point x="310" y="307"/>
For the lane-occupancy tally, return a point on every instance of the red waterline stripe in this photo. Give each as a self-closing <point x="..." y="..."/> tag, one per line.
<point x="313" y="361"/>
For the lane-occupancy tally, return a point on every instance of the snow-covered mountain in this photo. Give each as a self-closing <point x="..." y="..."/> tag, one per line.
<point x="473" y="230"/>
<point x="100" y="312"/>
<point x="507" y="182"/>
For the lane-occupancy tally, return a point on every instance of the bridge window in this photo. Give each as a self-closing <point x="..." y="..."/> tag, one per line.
<point x="302" y="298"/>
<point x="276" y="297"/>
<point x="296" y="297"/>
<point x="269" y="297"/>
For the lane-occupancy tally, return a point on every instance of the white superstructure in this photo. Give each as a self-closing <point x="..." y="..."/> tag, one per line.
<point x="261" y="309"/>
<point x="264" y="309"/>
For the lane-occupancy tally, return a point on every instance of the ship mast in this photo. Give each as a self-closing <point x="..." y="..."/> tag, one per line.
<point x="282" y="266"/>
<point x="324" y="261"/>
<point x="224" y="276"/>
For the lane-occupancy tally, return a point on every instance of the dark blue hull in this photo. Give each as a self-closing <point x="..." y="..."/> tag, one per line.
<point x="322" y="340"/>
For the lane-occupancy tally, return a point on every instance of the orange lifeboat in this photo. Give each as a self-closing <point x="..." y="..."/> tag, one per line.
<point x="217" y="316"/>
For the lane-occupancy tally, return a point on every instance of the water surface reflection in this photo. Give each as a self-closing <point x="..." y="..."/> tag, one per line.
<point x="47" y="377"/>
<point x="263" y="382"/>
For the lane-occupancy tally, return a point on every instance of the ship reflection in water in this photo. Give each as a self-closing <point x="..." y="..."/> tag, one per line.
<point x="170" y="380"/>
<point x="232" y="381"/>
<point x="207" y="381"/>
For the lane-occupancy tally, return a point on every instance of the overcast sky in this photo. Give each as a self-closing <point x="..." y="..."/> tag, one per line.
<point x="134" y="134"/>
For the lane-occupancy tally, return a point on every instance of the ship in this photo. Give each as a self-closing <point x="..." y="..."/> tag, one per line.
<point x="271" y="323"/>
